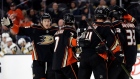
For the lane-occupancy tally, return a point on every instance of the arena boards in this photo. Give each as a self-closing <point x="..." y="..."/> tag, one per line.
<point x="19" y="67"/>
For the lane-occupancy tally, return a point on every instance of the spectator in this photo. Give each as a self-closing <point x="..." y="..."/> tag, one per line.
<point x="33" y="16"/>
<point x="91" y="8"/>
<point x="102" y="3"/>
<point x="44" y="7"/>
<point x="24" y="12"/>
<point x="83" y="23"/>
<point x="85" y="12"/>
<point x="15" y="14"/>
<point x="60" y="23"/>
<point x="112" y="4"/>
<point x="26" y="22"/>
<point x="55" y="13"/>
<point x="41" y="12"/>
<point x="74" y="10"/>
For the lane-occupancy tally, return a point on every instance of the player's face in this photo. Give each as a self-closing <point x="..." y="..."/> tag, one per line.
<point x="4" y="39"/>
<point x="9" y="43"/>
<point x="22" y="45"/>
<point x="46" y="23"/>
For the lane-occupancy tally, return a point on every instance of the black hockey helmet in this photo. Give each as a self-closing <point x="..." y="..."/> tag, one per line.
<point x="46" y="16"/>
<point x="101" y="12"/>
<point x="69" y="19"/>
<point x="115" y="14"/>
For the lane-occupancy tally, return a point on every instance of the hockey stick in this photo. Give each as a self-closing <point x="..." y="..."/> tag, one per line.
<point x="21" y="3"/>
<point x="98" y="35"/>
<point x="132" y="6"/>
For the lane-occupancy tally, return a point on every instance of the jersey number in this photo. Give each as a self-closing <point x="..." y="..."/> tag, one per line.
<point x="131" y="37"/>
<point x="56" y="43"/>
<point x="88" y="36"/>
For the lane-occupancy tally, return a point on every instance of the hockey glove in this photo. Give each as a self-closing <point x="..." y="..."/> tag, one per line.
<point x="5" y="21"/>
<point x="82" y="42"/>
<point x="101" y="48"/>
<point x="119" y="57"/>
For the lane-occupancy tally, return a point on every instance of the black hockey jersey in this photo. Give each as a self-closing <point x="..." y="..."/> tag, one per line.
<point x="126" y="34"/>
<point x="42" y="40"/>
<point x="63" y="54"/>
<point x="106" y="34"/>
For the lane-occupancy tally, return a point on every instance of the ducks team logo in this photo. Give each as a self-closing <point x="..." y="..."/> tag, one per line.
<point x="46" y="39"/>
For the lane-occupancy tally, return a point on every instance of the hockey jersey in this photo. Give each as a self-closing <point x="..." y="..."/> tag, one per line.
<point x="126" y="34"/>
<point x="27" y="49"/>
<point x="3" y="45"/>
<point x="107" y="36"/>
<point x="13" y="49"/>
<point x="15" y="16"/>
<point x="63" y="54"/>
<point x="42" y="40"/>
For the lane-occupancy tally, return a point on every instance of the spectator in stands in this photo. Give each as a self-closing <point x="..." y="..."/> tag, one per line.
<point x="83" y="23"/>
<point x="60" y="23"/>
<point x="102" y="3"/>
<point x="85" y="12"/>
<point x="26" y="22"/>
<point x="26" y="47"/>
<point x="41" y="12"/>
<point x="33" y="16"/>
<point x="15" y="14"/>
<point x="24" y="12"/>
<point x="112" y="4"/>
<point x="44" y="6"/>
<point x="55" y="13"/>
<point x="73" y="9"/>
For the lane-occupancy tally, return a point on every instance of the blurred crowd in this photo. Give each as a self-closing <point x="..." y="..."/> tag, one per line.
<point x="27" y="12"/>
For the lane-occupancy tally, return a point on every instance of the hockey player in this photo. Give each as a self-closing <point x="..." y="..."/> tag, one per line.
<point x="124" y="28"/>
<point x="64" y="60"/>
<point x="94" y="54"/>
<point x="11" y="48"/>
<point x="42" y="40"/>
<point x="3" y="42"/>
<point x="26" y="47"/>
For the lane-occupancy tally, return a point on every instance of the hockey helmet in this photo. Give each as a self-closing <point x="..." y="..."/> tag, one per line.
<point x="101" y="12"/>
<point x="115" y="14"/>
<point x="8" y="39"/>
<point x="46" y="16"/>
<point x="21" y="40"/>
<point x="5" y="35"/>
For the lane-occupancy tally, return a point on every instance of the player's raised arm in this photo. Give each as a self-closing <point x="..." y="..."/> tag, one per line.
<point x="15" y="29"/>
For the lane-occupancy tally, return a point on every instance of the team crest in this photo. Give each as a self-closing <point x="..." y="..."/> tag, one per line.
<point x="46" y="39"/>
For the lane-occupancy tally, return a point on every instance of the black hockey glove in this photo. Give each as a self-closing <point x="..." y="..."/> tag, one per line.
<point x="5" y="21"/>
<point x="101" y="48"/>
<point x="82" y="42"/>
<point x="119" y="57"/>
